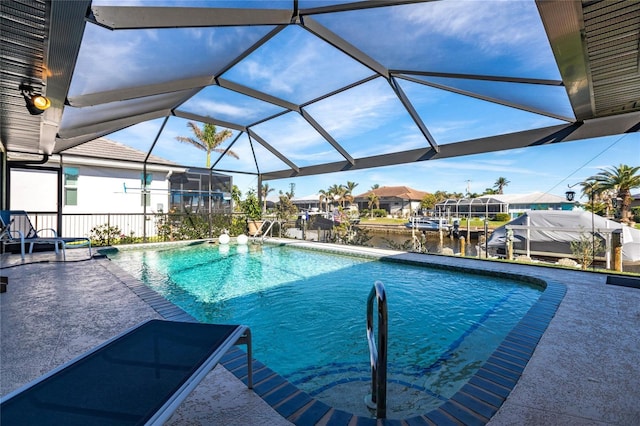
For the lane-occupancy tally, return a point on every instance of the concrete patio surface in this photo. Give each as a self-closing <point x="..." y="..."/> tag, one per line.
<point x="584" y="371"/>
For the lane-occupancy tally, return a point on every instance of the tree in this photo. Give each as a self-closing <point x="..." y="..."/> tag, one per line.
<point x="373" y="200"/>
<point x="440" y="196"/>
<point x="621" y="179"/>
<point x="324" y="196"/>
<point x="593" y="192"/>
<point x="375" y="186"/>
<point x="349" y="191"/>
<point x="292" y="191"/>
<point x="236" y="195"/>
<point x="285" y="207"/>
<point x="266" y="189"/>
<point x="251" y="206"/>
<point x="428" y="202"/>
<point x="207" y="139"/>
<point x="585" y="249"/>
<point x="337" y="191"/>
<point x="500" y="183"/>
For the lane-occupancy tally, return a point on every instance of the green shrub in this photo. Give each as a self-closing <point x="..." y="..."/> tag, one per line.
<point x="104" y="235"/>
<point x="191" y="226"/>
<point x="502" y="217"/>
<point x="586" y="248"/>
<point x="129" y="239"/>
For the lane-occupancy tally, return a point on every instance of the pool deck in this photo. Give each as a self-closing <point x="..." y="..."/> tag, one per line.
<point x="584" y="371"/>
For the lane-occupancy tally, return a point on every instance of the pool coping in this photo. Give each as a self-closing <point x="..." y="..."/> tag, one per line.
<point x="474" y="404"/>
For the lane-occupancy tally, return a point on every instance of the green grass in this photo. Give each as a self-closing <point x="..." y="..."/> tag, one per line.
<point x="383" y="221"/>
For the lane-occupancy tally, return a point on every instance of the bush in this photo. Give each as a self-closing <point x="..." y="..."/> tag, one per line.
<point x="379" y="213"/>
<point x="586" y="248"/>
<point x="502" y="217"/>
<point x="191" y="226"/>
<point x="129" y="239"/>
<point x="635" y="214"/>
<point x="104" y="235"/>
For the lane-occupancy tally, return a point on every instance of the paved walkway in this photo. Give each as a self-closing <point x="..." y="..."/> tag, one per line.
<point x="585" y="370"/>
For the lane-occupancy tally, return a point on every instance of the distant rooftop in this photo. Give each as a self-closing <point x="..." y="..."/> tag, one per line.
<point x="402" y="192"/>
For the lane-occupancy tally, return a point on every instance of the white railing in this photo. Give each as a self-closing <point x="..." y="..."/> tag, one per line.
<point x="127" y="227"/>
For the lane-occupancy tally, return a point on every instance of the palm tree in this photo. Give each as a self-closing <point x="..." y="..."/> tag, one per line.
<point x="324" y="196"/>
<point x="207" y="139"/>
<point x="266" y="189"/>
<point x="337" y="191"/>
<point x="622" y="179"/>
<point x="500" y="183"/>
<point x="375" y="186"/>
<point x="349" y="191"/>
<point x="373" y="200"/>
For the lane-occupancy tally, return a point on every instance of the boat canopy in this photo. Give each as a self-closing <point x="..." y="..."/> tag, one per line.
<point x="553" y="231"/>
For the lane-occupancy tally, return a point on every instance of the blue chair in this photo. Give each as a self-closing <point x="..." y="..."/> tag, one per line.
<point x="16" y="228"/>
<point x="139" y="377"/>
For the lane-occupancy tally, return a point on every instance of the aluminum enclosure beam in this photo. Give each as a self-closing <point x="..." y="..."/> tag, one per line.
<point x="562" y="133"/>
<point x="564" y="25"/>
<point x="132" y="17"/>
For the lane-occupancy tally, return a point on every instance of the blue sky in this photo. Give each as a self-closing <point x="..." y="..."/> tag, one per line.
<point x="499" y="38"/>
<point x="536" y="169"/>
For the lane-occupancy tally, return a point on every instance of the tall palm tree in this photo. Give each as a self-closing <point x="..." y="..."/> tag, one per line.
<point x="207" y="139"/>
<point x="324" y="196"/>
<point x="266" y="189"/>
<point x="337" y="191"/>
<point x="622" y="179"/>
<point x="349" y="191"/>
<point x="373" y="200"/>
<point x="500" y="183"/>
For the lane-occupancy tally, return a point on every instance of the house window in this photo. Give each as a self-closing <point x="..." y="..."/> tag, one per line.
<point x="71" y="186"/>
<point x="145" y="194"/>
<point x="147" y="181"/>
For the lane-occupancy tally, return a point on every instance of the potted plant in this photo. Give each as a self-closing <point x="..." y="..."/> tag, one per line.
<point x="253" y="211"/>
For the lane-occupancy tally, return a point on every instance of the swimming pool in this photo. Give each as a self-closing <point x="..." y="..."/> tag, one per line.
<point x="307" y="312"/>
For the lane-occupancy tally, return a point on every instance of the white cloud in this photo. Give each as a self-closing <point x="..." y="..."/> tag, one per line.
<point x="490" y="25"/>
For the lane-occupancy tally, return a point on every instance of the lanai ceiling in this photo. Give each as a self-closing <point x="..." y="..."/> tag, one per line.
<point x="310" y="87"/>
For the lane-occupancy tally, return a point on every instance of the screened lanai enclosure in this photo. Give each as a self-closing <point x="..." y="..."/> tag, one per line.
<point x="310" y="87"/>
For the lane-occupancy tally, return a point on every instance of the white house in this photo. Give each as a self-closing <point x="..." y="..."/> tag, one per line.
<point x="91" y="183"/>
<point x="119" y="190"/>
<point x="396" y="200"/>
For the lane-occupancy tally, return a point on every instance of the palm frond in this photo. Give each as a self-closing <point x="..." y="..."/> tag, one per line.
<point x="191" y="141"/>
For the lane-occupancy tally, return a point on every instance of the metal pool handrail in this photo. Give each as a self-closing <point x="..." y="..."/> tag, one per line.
<point x="378" y="355"/>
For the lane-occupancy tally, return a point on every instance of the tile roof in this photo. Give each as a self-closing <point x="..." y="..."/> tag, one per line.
<point x="104" y="149"/>
<point x="403" y="192"/>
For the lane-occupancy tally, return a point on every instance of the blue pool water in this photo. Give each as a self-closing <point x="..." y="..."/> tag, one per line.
<point x="307" y="313"/>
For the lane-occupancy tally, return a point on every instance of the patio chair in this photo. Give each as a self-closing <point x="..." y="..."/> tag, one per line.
<point x="138" y="377"/>
<point x="16" y="227"/>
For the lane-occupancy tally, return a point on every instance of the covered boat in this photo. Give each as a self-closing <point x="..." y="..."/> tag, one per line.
<point x="423" y="223"/>
<point x="550" y="233"/>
